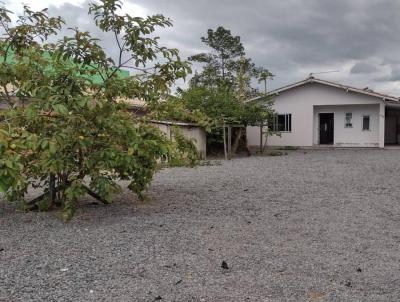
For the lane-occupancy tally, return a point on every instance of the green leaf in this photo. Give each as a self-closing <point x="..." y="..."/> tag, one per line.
<point x="60" y="108"/>
<point x="3" y="187"/>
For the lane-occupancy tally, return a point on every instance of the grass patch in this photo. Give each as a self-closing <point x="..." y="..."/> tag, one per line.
<point x="289" y="148"/>
<point x="276" y="153"/>
<point x="209" y="163"/>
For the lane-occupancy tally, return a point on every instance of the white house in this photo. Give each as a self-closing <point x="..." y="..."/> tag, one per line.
<point x="316" y="112"/>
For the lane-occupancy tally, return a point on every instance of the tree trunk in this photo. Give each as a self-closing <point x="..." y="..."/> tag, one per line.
<point x="52" y="188"/>
<point x="237" y="140"/>
<point x="225" y="152"/>
<point x="229" y="142"/>
<point x="247" y="145"/>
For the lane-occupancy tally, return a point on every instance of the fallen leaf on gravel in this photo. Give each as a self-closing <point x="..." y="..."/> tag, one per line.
<point x="315" y="295"/>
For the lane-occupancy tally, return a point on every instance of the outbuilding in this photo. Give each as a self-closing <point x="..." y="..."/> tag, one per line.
<point x="315" y="112"/>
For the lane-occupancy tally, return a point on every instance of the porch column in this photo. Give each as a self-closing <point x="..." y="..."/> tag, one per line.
<point x="382" y="125"/>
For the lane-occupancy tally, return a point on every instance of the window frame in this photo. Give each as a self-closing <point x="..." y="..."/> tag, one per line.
<point x="369" y="122"/>
<point x="351" y="120"/>
<point x="287" y="125"/>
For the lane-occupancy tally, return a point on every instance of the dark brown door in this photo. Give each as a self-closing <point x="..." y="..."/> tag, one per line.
<point x="326" y="128"/>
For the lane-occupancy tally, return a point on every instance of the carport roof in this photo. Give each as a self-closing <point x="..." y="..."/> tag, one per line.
<point x="312" y="79"/>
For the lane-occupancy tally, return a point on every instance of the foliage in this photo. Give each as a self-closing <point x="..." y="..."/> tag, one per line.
<point x="222" y="105"/>
<point x="224" y="85"/>
<point x="221" y="64"/>
<point x="226" y="65"/>
<point x="65" y="114"/>
<point x="186" y="150"/>
<point x="175" y="109"/>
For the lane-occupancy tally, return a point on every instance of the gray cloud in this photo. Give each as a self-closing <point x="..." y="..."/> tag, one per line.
<point x="291" y="38"/>
<point x="363" y="68"/>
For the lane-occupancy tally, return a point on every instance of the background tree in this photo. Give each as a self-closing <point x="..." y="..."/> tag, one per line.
<point x="225" y="83"/>
<point x="263" y="78"/>
<point x="222" y="63"/>
<point x="64" y="113"/>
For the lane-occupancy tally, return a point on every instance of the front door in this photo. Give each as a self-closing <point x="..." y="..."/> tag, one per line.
<point x="390" y="130"/>
<point x="326" y="128"/>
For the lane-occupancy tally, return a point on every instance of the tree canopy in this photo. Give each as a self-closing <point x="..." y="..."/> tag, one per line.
<point x="64" y="126"/>
<point x="225" y="83"/>
<point x="226" y="65"/>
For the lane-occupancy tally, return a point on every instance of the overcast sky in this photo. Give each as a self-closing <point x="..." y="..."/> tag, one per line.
<point x="292" y="38"/>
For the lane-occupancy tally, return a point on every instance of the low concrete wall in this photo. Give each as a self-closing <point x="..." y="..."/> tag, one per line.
<point x="189" y="131"/>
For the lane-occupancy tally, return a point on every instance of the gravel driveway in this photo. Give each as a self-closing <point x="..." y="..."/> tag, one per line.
<point x="310" y="226"/>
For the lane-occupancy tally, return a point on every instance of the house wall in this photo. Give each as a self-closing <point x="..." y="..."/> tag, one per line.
<point x="354" y="136"/>
<point x="300" y="102"/>
<point x="190" y="132"/>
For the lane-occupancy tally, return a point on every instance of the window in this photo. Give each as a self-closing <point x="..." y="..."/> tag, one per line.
<point x="348" y="120"/>
<point x="281" y="123"/>
<point x="366" y="123"/>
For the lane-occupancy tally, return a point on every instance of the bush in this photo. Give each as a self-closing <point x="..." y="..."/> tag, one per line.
<point x="73" y="135"/>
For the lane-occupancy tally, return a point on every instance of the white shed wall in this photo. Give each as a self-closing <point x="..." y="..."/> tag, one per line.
<point x="189" y="132"/>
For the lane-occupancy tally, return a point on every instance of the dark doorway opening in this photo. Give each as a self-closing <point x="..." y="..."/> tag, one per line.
<point x="392" y="126"/>
<point x="326" y="128"/>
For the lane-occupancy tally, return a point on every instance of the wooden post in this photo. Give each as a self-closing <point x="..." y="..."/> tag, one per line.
<point x="229" y="142"/>
<point x="52" y="187"/>
<point x="382" y="125"/>
<point x="224" y="134"/>
<point x="261" y="138"/>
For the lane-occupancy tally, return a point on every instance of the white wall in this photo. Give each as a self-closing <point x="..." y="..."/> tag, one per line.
<point x="355" y="136"/>
<point x="300" y="102"/>
<point x="189" y="132"/>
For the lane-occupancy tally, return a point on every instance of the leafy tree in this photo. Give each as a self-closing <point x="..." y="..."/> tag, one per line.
<point x="222" y="106"/>
<point x="221" y="89"/>
<point x="222" y="63"/>
<point x="65" y="127"/>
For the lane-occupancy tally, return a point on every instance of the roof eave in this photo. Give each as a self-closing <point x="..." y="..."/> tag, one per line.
<point x="322" y="82"/>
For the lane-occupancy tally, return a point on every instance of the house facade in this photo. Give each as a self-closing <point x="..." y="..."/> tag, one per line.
<point x="316" y="112"/>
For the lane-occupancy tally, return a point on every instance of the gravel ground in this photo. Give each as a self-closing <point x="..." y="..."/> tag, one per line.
<point x="320" y="225"/>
